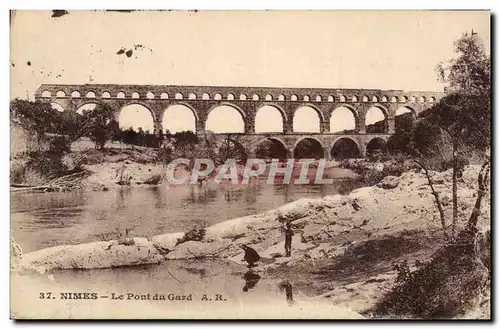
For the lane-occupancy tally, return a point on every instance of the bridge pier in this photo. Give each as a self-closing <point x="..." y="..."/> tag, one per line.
<point x="324" y="126"/>
<point x="360" y="125"/>
<point x="158" y="127"/>
<point x="391" y="125"/>
<point x="326" y="153"/>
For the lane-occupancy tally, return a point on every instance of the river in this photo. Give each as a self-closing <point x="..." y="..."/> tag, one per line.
<point x="40" y="220"/>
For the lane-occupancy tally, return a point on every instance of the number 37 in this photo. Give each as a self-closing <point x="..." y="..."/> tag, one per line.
<point x="44" y="295"/>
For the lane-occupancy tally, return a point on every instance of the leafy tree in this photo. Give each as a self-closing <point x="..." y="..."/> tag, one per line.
<point x="270" y="149"/>
<point x="97" y="124"/>
<point x="402" y="138"/>
<point x="37" y="117"/>
<point x="184" y="138"/>
<point x="462" y="118"/>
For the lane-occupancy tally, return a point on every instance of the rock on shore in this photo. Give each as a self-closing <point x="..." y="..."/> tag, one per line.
<point x="397" y="204"/>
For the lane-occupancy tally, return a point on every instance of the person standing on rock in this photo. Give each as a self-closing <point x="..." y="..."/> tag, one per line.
<point x="251" y="256"/>
<point x="288" y="238"/>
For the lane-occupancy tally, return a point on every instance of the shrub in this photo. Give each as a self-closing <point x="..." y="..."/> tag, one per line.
<point x="194" y="234"/>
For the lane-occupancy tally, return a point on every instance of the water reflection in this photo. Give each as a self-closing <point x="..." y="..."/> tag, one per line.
<point x="288" y="288"/>
<point x="43" y="220"/>
<point x="251" y="278"/>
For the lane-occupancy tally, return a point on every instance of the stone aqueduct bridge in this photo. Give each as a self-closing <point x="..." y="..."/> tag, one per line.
<point x="247" y="101"/>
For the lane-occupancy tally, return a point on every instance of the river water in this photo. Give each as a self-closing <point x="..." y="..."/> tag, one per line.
<point x="40" y="220"/>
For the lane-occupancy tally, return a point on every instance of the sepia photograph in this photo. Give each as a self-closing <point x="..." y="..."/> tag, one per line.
<point x="250" y="164"/>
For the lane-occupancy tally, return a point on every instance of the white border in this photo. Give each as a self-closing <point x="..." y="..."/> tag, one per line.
<point x="188" y="4"/>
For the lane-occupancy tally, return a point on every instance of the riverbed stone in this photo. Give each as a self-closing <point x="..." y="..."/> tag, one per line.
<point x="102" y="254"/>
<point x="389" y="182"/>
<point x="166" y="242"/>
<point x="196" y="249"/>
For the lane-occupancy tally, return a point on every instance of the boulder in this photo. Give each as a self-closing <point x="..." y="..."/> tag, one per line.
<point x="389" y="182"/>
<point x="194" y="249"/>
<point x="167" y="241"/>
<point x="91" y="255"/>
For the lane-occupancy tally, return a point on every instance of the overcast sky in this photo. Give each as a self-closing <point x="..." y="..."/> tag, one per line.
<point x="383" y="50"/>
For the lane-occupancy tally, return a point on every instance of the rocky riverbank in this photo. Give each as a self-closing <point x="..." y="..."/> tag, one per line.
<point x="345" y="247"/>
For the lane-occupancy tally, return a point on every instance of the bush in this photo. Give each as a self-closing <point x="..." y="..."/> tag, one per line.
<point x="47" y="164"/>
<point x="445" y="287"/>
<point x="154" y="180"/>
<point x="195" y="234"/>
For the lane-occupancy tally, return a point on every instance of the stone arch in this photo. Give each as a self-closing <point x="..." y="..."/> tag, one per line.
<point x="87" y="106"/>
<point x="60" y="94"/>
<point x="384" y="99"/>
<point x="269" y="98"/>
<point x="342" y="113"/>
<point x="56" y="106"/>
<point x="135" y="95"/>
<point x="331" y="99"/>
<point x="243" y="97"/>
<point x="205" y="96"/>
<point x="281" y="98"/>
<point x="422" y="99"/>
<point x="218" y="97"/>
<point x="46" y="94"/>
<point x="342" y="98"/>
<point x="150" y="95"/>
<point x="192" y="96"/>
<point x="307" y="98"/>
<point x="345" y="148"/>
<point x="365" y="98"/>
<point x="314" y="148"/>
<point x="306" y="120"/>
<point x="374" y="122"/>
<point x="163" y="96"/>
<point x="374" y="99"/>
<point x="147" y="125"/>
<point x="260" y="121"/>
<point x="106" y="94"/>
<point x="354" y="98"/>
<point x="179" y="96"/>
<point x="179" y="117"/>
<point x="318" y="98"/>
<point x="230" y="119"/>
<point x="432" y="99"/>
<point x="403" y="99"/>
<point x="413" y="99"/>
<point x="375" y="145"/>
<point x="394" y="99"/>
<point x="405" y="109"/>
<point x="75" y="94"/>
<point x="294" y="98"/>
<point x="276" y="149"/>
<point x="120" y="94"/>
<point x="90" y="94"/>
<point x="241" y="154"/>
<point x="230" y="97"/>
<point x="255" y="97"/>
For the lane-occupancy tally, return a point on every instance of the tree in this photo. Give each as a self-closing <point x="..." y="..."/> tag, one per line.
<point x="229" y="148"/>
<point x="98" y="124"/>
<point x="183" y="138"/>
<point x="465" y="112"/>
<point x="401" y="140"/>
<point x="37" y="117"/>
<point x="462" y="118"/>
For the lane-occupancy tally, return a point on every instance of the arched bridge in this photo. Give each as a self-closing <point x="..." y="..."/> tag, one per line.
<point x="201" y="100"/>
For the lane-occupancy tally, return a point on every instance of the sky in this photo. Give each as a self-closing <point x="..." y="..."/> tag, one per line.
<point x="331" y="49"/>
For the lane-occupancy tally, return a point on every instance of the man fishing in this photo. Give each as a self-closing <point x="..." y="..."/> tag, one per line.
<point x="251" y="256"/>
<point x="288" y="238"/>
